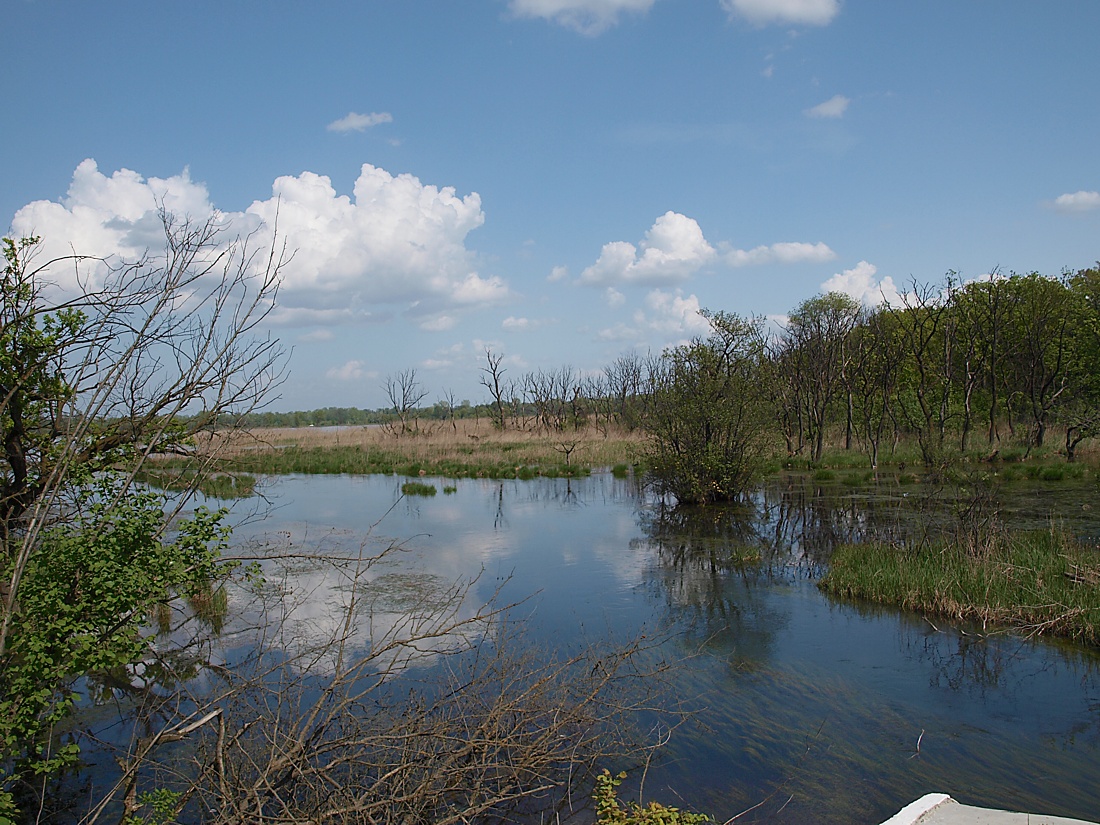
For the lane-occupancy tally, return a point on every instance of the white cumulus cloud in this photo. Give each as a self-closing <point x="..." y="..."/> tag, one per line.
<point x="104" y="217"/>
<point x="675" y="316"/>
<point x="668" y="318"/>
<point x="673" y="249"/>
<point x="860" y="282"/>
<point x="778" y="253"/>
<point x="355" y="122"/>
<point x="784" y="12"/>
<point x="589" y="17"/>
<point x="1077" y="201"/>
<point x="349" y="371"/>
<point x="833" y="108"/>
<point x="394" y="241"/>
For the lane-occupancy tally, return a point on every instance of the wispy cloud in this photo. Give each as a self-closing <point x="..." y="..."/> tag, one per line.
<point x="590" y="17"/>
<point x="355" y="122"/>
<point x="784" y="12"/>
<point x="1077" y="202"/>
<point x="779" y="253"/>
<point x="834" y="107"/>
<point x="514" y="324"/>
<point x="348" y="371"/>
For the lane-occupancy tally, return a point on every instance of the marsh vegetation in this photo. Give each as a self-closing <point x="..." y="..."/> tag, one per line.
<point x="313" y="674"/>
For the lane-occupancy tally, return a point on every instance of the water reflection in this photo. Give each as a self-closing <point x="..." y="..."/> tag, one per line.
<point x="809" y="708"/>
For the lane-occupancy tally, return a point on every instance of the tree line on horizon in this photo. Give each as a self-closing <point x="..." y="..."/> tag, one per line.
<point x="951" y="365"/>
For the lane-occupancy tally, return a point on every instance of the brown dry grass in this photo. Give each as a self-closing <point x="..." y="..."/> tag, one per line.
<point x="470" y="442"/>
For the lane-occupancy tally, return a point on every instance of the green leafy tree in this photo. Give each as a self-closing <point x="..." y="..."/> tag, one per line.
<point x="708" y="414"/>
<point x="1043" y="331"/>
<point x="1079" y="411"/>
<point x="145" y="359"/>
<point x="817" y="350"/>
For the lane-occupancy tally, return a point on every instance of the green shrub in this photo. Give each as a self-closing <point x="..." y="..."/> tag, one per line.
<point x="610" y="811"/>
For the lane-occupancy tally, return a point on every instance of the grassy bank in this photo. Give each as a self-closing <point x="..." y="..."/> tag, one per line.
<point x="476" y="449"/>
<point x="1039" y="582"/>
<point x="470" y="449"/>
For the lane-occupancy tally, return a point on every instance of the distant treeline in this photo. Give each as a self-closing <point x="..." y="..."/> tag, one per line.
<point x="951" y="366"/>
<point x="353" y="416"/>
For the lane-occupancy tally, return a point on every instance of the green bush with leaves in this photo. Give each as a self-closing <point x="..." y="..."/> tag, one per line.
<point x="610" y="811"/>
<point x="84" y="604"/>
<point x="707" y="420"/>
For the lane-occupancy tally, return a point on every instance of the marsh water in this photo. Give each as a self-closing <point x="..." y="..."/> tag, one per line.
<point x="805" y="709"/>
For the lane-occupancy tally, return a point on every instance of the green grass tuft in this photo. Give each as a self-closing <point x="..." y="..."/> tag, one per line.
<point x="417" y="488"/>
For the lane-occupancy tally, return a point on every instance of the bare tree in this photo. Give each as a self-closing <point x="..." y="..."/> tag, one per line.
<point x="626" y="386"/>
<point x="492" y="378"/>
<point x="405" y="393"/>
<point x="449" y="403"/>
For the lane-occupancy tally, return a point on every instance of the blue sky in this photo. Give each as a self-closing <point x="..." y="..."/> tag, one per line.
<point x="560" y="180"/>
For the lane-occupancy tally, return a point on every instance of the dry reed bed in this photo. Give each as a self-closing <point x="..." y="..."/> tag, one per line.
<point x="466" y="448"/>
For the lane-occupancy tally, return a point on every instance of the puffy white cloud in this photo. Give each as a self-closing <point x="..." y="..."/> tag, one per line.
<point x="395" y="241"/>
<point x="860" y="282"/>
<point x="355" y="122"/>
<point x="784" y="12"/>
<point x="674" y="315"/>
<point x="614" y="298"/>
<point x="558" y="273"/>
<point x="1077" y="201"/>
<point x="668" y="317"/>
<point x="102" y="217"/>
<point x="473" y="289"/>
<point x="834" y="107"/>
<point x="778" y="253"/>
<point x="350" y="371"/>
<point x="673" y="249"/>
<point x="589" y="17"/>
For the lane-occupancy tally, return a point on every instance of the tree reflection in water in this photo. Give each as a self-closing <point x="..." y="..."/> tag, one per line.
<point x="804" y="699"/>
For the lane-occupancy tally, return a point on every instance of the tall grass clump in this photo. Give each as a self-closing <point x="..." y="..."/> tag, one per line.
<point x="1040" y="582"/>
<point x="418" y="488"/>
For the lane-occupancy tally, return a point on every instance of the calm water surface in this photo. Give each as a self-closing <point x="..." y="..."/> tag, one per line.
<point x="806" y="709"/>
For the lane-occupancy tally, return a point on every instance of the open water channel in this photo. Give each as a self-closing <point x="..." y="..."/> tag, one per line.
<point x="805" y="709"/>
